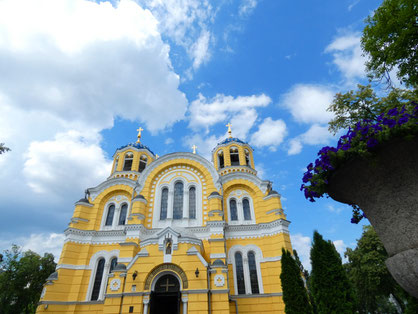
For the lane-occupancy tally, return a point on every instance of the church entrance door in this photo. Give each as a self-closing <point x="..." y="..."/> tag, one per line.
<point x="166" y="296"/>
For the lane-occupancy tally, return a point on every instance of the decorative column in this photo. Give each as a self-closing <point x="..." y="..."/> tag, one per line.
<point x="145" y="300"/>
<point x="246" y="274"/>
<point x="186" y="204"/>
<point x="170" y="202"/>
<point x="184" y="299"/>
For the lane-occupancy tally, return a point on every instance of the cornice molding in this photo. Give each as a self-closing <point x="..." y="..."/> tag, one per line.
<point x="94" y="192"/>
<point x="263" y="185"/>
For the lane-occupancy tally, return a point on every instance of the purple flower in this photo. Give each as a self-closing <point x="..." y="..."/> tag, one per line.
<point x="404" y="119"/>
<point x="372" y="142"/>
<point x="389" y="122"/>
<point x="393" y="112"/>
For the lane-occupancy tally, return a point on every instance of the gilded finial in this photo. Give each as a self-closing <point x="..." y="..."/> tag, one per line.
<point x="194" y="149"/>
<point x="156" y="156"/>
<point x="229" y="130"/>
<point x="139" y="134"/>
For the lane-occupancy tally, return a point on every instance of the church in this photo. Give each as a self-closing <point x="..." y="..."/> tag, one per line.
<point x="173" y="234"/>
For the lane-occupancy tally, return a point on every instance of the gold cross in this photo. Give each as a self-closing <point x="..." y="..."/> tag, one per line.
<point x="194" y="149"/>
<point x="139" y="134"/>
<point x="166" y="285"/>
<point x="229" y="129"/>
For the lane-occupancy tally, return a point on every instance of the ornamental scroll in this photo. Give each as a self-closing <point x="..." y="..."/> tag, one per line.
<point x="163" y="267"/>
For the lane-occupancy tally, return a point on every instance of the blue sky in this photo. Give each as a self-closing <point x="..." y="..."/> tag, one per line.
<point x="78" y="77"/>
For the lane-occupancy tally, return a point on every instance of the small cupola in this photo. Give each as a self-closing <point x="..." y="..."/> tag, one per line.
<point x="132" y="159"/>
<point x="233" y="154"/>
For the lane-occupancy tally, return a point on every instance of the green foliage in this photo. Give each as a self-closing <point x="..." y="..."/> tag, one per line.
<point x="412" y="306"/>
<point x="3" y="148"/>
<point x="294" y="291"/>
<point x="390" y="40"/>
<point x="363" y="104"/>
<point x="367" y="271"/>
<point x="330" y="286"/>
<point x="22" y="275"/>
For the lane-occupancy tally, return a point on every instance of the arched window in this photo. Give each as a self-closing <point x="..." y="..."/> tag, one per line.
<point x="116" y="164"/>
<point x="246" y="209"/>
<point x="253" y="273"/>
<point x="221" y="159"/>
<point x="113" y="264"/>
<point x="122" y="215"/>
<point x="142" y="163"/>
<point x="98" y="279"/>
<point x="127" y="166"/>
<point x="110" y="214"/>
<point x="239" y="269"/>
<point x="234" y="156"/>
<point x="247" y="157"/>
<point x="178" y="200"/>
<point x="233" y="209"/>
<point x="192" y="203"/>
<point x="164" y="204"/>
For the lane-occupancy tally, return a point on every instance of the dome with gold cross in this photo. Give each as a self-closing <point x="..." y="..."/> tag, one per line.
<point x="232" y="155"/>
<point x="131" y="159"/>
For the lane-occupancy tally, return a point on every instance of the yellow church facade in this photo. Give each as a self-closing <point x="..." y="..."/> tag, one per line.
<point x="173" y="234"/>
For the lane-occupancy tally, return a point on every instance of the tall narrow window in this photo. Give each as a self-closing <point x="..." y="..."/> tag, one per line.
<point x="98" y="280"/>
<point x="164" y="204"/>
<point x="178" y="201"/>
<point x="239" y="273"/>
<point x="122" y="215"/>
<point x="221" y="159"/>
<point x="192" y="203"/>
<point x="246" y="209"/>
<point x="142" y="163"/>
<point x="247" y="157"/>
<point x="233" y="209"/>
<point x="116" y="164"/>
<point x="113" y="264"/>
<point x="127" y="166"/>
<point x="253" y="273"/>
<point x="110" y="214"/>
<point x="234" y="156"/>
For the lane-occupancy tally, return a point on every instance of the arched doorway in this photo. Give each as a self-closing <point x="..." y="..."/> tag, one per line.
<point x="165" y="297"/>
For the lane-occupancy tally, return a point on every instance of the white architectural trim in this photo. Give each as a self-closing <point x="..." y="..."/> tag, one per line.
<point x="108" y="256"/>
<point x="239" y="196"/>
<point x="118" y="201"/>
<point x="96" y="191"/>
<point x="244" y="250"/>
<point x="188" y="156"/>
<point x="257" y="230"/>
<point x="263" y="185"/>
<point x="168" y="180"/>
<point x="72" y="266"/>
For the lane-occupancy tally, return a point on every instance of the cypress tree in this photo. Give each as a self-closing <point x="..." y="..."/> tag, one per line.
<point x="330" y="286"/>
<point x="294" y="292"/>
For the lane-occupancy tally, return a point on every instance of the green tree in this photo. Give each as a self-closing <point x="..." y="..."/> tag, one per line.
<point x="330" y="286"/>
<point x="3" y="148"/>
<point x="22" y="275"/>
<point x="294" y="292"/>
<point x="372" y="282"/>
<point x="354" y="106"/>
<point x="390" y="40"/>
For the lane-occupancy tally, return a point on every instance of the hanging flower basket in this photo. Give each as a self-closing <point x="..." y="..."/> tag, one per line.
<point x="374" y="168"/>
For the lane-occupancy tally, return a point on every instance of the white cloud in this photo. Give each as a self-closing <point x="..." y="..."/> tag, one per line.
<point x="302" y="245"/>
<point x="308" y="103"/>
<point x="84" y="61"/>
<point x="40" y="243"/>
<point x="316" y="134"/>
<point x="334" y="209"/>
<point x="204" y="112"/>
<point x="247" y="7"/>
<point x="199" y="50"/>
<point x="340" y="246"/>
<point x="347" y="56"/>
<point x="270" y="133"/>
<point x="69" y="162"/>
<point x="205" y="145"/>
<point x="186" y="22"/>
